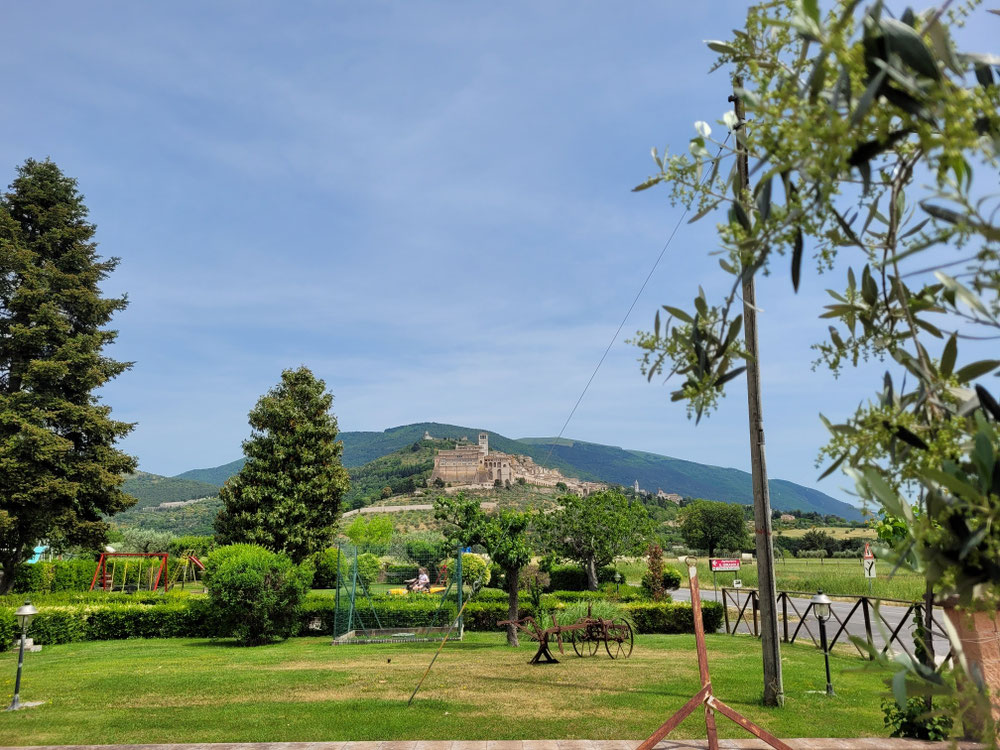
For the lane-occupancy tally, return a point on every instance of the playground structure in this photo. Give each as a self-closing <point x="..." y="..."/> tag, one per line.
<point x="585" y="635"/>
<point x="187" y="570"/>
<point x="143" y="577"/>
<point x="355" y="623"/>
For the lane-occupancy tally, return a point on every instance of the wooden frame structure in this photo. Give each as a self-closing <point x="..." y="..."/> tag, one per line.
<point x="106" y="583"/>
<point x="705" y="696"/>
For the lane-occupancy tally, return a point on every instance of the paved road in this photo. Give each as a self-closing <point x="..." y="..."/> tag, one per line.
<point x="892" y="614"/>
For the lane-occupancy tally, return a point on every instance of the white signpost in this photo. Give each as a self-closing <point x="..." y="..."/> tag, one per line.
<point x="868" y="565"/>
<point x="722" y="565"/>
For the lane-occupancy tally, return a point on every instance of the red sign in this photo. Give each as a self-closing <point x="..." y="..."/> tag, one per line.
<point x="725" y="566"/>
<point x="868" y="552"/>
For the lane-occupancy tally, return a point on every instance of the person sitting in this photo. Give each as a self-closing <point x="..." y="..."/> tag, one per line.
<point x="421" y="583"/>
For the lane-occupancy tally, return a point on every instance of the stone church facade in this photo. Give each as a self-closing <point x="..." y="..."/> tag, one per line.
<point x="468" y="464"/>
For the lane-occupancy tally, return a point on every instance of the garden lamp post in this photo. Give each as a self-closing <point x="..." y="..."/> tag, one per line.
<point x="618" y="580"/>
<point x="821" y="608"/>
<point x="23" y="615"/>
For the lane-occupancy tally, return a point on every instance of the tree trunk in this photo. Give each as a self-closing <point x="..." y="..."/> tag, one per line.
<point x="591" y="568"/>
<point x="512" y="575"/>
<point x="9" y="565"/>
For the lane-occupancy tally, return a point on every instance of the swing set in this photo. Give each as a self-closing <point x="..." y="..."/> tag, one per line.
<point x="145" y="578"/>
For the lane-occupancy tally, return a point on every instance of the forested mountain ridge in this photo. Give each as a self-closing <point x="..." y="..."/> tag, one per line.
<point x="574" y="458"/>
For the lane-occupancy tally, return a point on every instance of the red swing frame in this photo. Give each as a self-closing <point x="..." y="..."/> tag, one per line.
<point x="102" y="568"/>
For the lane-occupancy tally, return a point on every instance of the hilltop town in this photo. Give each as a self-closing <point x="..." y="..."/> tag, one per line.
<point x="469" y="465"/>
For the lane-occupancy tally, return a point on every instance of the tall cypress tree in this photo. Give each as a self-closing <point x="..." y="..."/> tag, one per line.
<point x="60" y="472"/>
<point x="287" y="495"/>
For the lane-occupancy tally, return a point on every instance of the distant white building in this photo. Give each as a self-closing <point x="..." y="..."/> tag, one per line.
<point x="636" y="486"/>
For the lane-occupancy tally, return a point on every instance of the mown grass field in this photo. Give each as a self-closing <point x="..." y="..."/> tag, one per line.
<point x="837" y="532"/>
<point x="835" y="577"/>
<point x="193" y="691"/>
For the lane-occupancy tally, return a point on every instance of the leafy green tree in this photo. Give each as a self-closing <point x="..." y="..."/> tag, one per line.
<point x="594" y="530"/>
<point x="711" y="525"/>
<point x="816" y="539"/>
<point x="504" y="534"/>
<point x="864" y="135"/>
<point x="60" y="472"/>
<point x="287" y="495"/>
<point x="375" y="530"/>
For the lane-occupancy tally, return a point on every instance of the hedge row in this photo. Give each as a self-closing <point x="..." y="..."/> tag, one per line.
<point x="49" y="577"/>
<point x="193" y="618"/>
<point x="574" y="577"/>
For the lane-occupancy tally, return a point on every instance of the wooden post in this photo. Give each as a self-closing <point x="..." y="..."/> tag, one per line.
<point x="725" y="610"/>
<point x="774" y="692"/>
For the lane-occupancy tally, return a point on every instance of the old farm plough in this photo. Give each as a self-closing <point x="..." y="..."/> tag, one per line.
<point x="585" y="635"/>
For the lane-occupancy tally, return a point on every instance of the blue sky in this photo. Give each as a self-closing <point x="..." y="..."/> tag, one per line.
<point x="427" y="203"/>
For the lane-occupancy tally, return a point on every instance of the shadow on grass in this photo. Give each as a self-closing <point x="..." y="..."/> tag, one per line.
<point x="455" y="645"/>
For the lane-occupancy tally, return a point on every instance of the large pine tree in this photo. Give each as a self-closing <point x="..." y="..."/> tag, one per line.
<point x="287" y="495"/>
<point x="60" y="472"/>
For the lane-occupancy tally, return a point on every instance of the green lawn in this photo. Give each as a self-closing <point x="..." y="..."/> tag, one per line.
<point x="304" y="689"/>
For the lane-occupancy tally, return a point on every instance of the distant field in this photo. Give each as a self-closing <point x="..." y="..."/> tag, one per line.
<point x="835" y="531"/>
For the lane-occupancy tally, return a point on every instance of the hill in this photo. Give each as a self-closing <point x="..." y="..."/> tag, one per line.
<point x="591" y="461"/>
<point x="216" y="475"/>
<point x="152" y="489"/>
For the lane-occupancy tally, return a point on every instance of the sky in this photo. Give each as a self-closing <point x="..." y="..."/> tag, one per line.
<point x="428" y="204"/>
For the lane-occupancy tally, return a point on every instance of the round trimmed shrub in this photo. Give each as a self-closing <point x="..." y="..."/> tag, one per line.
<point x="256" y="593"/>
<point x="474" y="568"/>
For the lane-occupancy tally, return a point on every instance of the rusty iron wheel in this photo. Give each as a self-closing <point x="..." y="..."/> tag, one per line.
<point x="620" y="639"/>
<point x="583" y="645"/>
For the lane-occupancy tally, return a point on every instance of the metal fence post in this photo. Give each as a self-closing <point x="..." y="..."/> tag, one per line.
<point x="784" y="615"/>
<point x="336" y="596"/>
<point x="868" y="625"/>
<point x="756" y="606"/>
<point x="725" y="610"/>
<point x="458" y="575"/>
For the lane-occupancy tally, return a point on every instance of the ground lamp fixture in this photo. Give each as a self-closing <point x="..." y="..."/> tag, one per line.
<point x="821" y="608"/>
<point x="24" y="614"/>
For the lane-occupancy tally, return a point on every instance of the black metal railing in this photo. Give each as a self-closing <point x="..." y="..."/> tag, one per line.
<point x="792" y="626"/>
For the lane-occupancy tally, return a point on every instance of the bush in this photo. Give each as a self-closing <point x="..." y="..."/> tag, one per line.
<point x="369" y="568"/>
<point x="673" y="617"/>
<point x="474" y="567"/>
<point x="317" y="613"/>
<point x="255" y="592"/>
<point x="914" y="721"/>
<point x="59" y="575"/>
<point x="199" y="546"/>
<point x="8" y="629"/>
<point x="400" y="572"/>
<point x="574" y="577"/>
<point x="670" y="580"/>
<point x="327" y="563"/>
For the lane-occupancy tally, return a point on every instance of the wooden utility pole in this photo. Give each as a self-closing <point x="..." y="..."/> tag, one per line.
<point x="774" y="692"/>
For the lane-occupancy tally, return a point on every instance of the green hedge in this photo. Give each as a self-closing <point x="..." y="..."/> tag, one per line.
<point x="111" y="621"/>
<point x="574" y="577"/>
<point x="49" y="577"/>
<point x="316" y="615"/>
<point x="193" y="618"/>
<point x="8" y="629"/>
